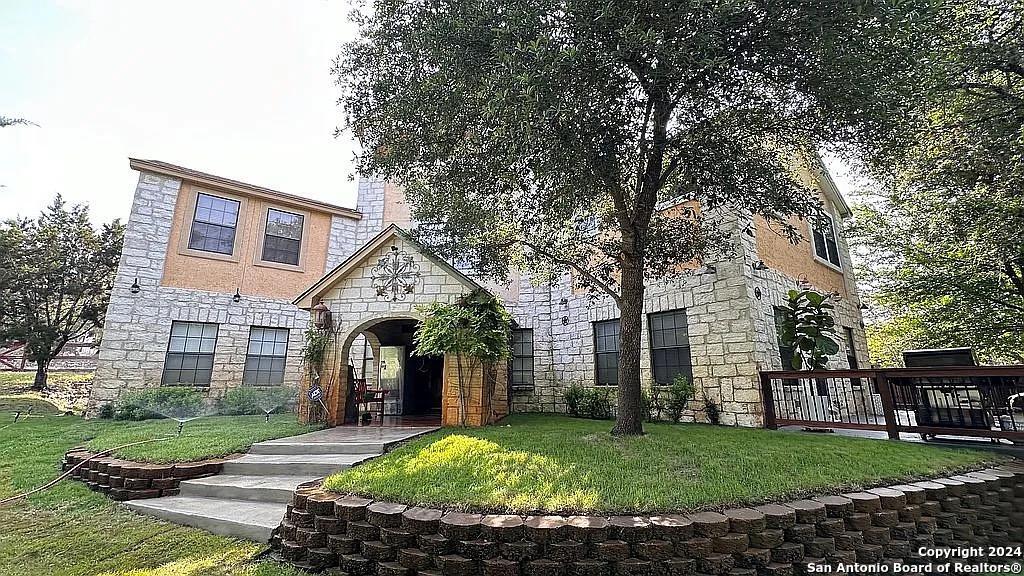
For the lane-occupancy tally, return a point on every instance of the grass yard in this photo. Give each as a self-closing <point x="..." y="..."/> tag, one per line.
<point x="69" y="530"/>
<point x="560" y="464"/>
<point x="65" y="390"/>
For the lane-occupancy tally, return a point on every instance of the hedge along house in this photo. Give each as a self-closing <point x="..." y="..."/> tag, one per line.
<point x="194" y="240"/>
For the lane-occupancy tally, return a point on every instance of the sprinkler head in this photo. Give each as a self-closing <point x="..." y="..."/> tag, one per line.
<point x="268" y="417"/>
<point x="181" y="424"/>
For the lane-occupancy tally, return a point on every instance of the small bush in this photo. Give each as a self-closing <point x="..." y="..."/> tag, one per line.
<point x="711" y="409"/>
<point x="648" y="404"/>
<point x="106" y="411"/>
<point x="158" y="403"/>
<point x="599" y="406"/>
<point x="575" y="397"/>
<point x="680" y="392"/>
<point x="256" y="400"/>
<point x="584" y="402"/>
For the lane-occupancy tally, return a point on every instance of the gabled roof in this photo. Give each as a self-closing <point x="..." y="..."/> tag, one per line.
<point x="191" y="175"/>
<point x="310" y="296"/>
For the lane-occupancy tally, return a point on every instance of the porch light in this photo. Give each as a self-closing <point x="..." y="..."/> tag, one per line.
<point x="758" y="265"/>
<point x="135" y="288"/>
<point x="321" y="316"/>
<point x="237" y="297"/>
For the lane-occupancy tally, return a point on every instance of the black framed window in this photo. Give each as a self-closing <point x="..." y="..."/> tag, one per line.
<point x="670" y="346"/>
<point x="264" y="361"/>
<point x="213" y="225"/>
<point x="522" y="358"/>
<point x="283" y="237"/>
<point x="189" y="359"/>
<point x="606" y="352"/>
<point x="825" y="245"/>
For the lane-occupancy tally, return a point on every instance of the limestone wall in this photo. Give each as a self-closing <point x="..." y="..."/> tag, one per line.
<point x="888" y="525"/>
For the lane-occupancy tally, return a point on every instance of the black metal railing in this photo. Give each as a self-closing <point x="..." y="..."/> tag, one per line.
<point x="962" y="401"/>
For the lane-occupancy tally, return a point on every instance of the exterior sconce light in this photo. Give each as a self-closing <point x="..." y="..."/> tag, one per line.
<point x="321" y="316"/>
<point x="564" y="301"/>
<point x="237" y="297"/>
<point x="135" y="288"/>
<point x="758" y="265"/>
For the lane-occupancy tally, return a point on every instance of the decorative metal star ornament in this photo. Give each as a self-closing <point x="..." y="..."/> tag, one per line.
<point x="395" y="275"/>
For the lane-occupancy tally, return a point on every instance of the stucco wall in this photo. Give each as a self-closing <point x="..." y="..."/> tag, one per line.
<point x="245" y="270"/>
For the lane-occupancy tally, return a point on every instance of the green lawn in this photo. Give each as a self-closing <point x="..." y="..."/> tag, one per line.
<point x="561" y="464"/>
<point x="66" y="390"/>
<point x="69" y="530"/>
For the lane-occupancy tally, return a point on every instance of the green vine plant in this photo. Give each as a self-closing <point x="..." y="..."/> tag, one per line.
<point x="476" y="330"/>
<point x="809" y="328"/>
<point x="314" y="351"/>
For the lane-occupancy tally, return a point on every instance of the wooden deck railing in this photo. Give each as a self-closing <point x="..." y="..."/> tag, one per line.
<point x="977" y="401"/>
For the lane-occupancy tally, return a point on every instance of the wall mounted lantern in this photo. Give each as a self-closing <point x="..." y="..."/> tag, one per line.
<point x="758" y="265"/>
<point x="321" y="316"/>
<point x="135" y="288"/>
<point x="237" y="297"/>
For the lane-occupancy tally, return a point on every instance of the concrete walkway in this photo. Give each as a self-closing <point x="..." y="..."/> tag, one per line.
<point x="249" y="498"/>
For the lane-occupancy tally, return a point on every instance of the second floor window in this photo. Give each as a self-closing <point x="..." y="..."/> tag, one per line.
<point x="670" y="346"/>
<point x="213" y="226"/>
<point x="606" y="352"/>
<point x="825" y="245"/>
<point x="283" y="237"/>
<point x="189" y="359"/>
<point x="522" y="358"/>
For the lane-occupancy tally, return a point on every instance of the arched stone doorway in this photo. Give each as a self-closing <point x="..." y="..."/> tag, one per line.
<point x="376" y="295"/>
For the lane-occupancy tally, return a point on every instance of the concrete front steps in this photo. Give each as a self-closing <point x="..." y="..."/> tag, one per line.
<point x="249" y="497"/>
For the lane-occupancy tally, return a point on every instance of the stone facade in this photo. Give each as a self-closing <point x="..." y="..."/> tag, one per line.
<point x="729" y="312"/>
<point x="137" y="326"/>
<point x="887" y="526"/>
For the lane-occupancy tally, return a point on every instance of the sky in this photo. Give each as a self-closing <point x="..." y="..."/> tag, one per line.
<point x="238" y="89"/>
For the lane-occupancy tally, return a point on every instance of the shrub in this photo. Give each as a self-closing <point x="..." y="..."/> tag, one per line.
<point x="575" y="397"/>
<point x="711" y="409"/>
<point x="256" y="400"/>
<point x="584" y="402"/>
<point x="599" y="405"/>
<point x="648" y="400"/>
<point x="158" y="402"/>
<point x="680" y="392"/>
<point x="106" y="411"/>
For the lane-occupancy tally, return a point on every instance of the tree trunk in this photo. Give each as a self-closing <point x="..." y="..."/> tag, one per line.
<point x="629" y="421"/>
<point x="42" y="371"/>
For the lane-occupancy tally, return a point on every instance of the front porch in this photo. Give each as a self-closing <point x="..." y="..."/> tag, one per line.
<point x="367" y="311"/>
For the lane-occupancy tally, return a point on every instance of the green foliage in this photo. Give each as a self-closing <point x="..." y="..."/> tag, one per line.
<point x="547" y="143"/>
<point x="680" y="393"/>
<point x="809" y="328"/>
<point x="711" y="409"/>
<point x="159" y="402"/>
<point x="477" y="330"/>
<point x="942" y="233"/>
<point x="257" y="400"/>
<point x="315" y="349"/>
<point x="588" y="402"/>
<point x="56" y="274"/>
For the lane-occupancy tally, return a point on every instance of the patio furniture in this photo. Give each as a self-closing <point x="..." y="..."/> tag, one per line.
<point x="371" y="401"/>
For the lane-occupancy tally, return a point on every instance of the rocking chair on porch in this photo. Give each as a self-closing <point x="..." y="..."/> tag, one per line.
<point x="365" y="398"/>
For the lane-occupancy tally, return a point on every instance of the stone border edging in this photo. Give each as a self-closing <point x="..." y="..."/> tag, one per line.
<point x="127" y="480"/>
<point x="322" y="530"/>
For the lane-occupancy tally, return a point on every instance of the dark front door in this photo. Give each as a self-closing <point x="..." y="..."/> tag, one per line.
<point x="423" y="383"/>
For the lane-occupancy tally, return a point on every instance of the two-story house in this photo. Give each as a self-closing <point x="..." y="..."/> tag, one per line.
<point x="217" y="279"/>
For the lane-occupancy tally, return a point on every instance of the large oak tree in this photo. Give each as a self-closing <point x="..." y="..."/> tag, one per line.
<point x="944" y="236"/>
<point x="548" y="135"/>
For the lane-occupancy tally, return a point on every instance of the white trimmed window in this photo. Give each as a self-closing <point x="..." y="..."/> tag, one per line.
<point x="825" y="245"/>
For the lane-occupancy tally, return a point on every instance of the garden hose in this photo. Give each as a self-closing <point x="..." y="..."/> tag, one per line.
<point x="68" y="472"/>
